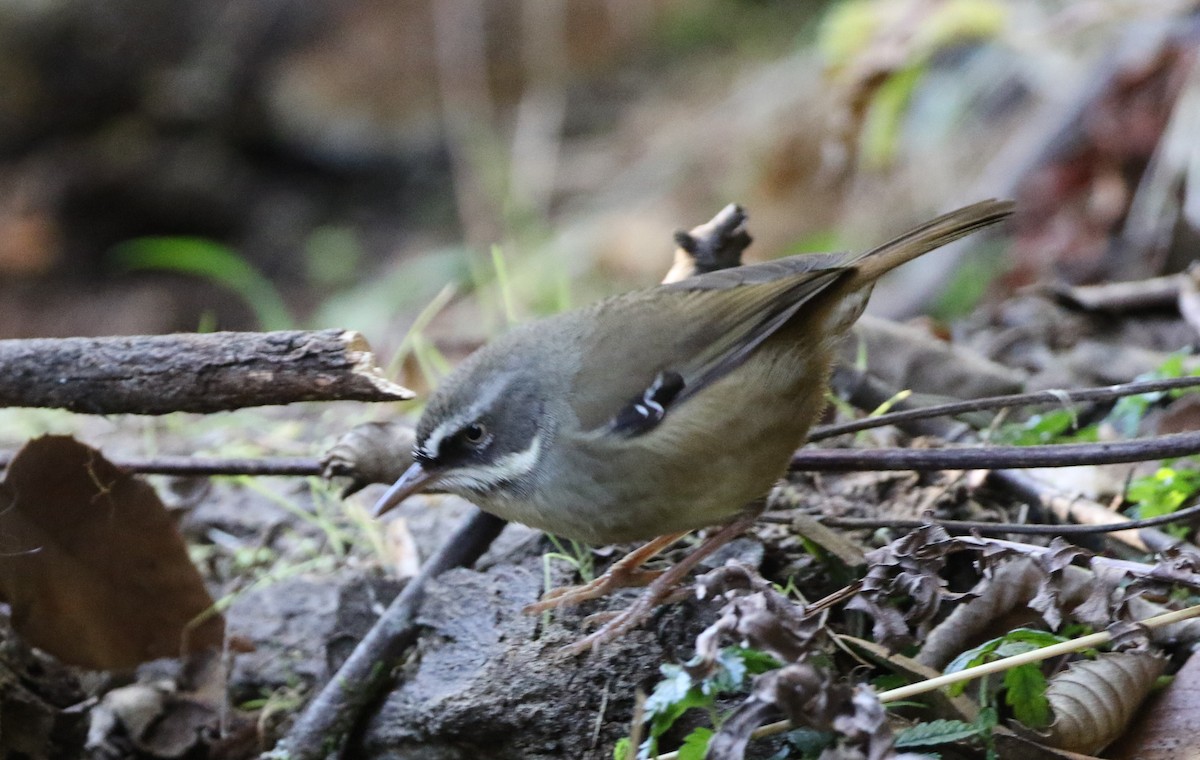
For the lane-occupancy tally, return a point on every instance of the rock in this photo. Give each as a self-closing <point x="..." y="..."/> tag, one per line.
<point x="487" y="680"/>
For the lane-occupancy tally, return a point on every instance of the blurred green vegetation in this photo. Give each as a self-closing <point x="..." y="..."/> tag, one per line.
<point x="211" y="261"/>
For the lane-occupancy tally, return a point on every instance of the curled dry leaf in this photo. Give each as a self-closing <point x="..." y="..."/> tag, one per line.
<point x="808" y="696"/>
<point x="1128" y="636"/>
<point x="1093" y="700"/>
<point x="756" y="616"/>
<point x="1010" y="585"/>
<point x="160" y="722"/>
<point x="1090" y="597"/>
<point x="908" y="568"/>
<point x="1053" y="563"/>
<point x="93" y="567"/>
<point x="1175" y="565"/>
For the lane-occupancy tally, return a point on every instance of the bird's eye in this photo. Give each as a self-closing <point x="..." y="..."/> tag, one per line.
<point x="474" y="433"/>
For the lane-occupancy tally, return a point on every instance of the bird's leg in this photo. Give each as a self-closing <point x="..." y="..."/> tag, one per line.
<point x="624" y="573"/>
<point x="663" y="586"/>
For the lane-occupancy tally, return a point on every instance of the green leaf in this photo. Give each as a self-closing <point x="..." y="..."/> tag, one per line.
<point x="1163" y="493"/>
<point x="810" y="742"/>
<point x="695" y="745"/>
<point x="1026" y="695"/>
<point x="757" y="661"/>
<point x="935" y="732"/>
<point x="677" y="692"/>
<point x="1015" y="641"/>
<point x="1128" y="412"/>
<point x="1014" y="648"/>
<point x="889" y="681"/>
<point x="988" y="718"/>
<point x="671" y="698"/>
<point x="729" y="676"/>
<point x="1054" y="426"/>
<point x="212" y="261"/>
<point x="881" y="128"/>
<point x="622" y="749"/>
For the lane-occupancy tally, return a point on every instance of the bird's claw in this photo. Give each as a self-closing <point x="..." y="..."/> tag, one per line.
<point x="605" y="584"/>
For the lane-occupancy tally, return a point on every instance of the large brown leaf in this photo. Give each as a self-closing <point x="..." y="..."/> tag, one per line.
<point x="92" y="565"/>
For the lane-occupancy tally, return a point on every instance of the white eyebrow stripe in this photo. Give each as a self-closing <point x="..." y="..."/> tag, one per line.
<point x="433" y="442"/>
<point x="508" y="467"/>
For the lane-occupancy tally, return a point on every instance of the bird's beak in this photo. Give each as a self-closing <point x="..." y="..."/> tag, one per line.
<point x="414" y="480"/>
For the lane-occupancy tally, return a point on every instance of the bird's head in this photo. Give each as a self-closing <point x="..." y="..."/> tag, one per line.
<point x="481" y="436"/>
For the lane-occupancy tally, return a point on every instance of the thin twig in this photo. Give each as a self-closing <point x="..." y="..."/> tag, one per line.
<point x="817" y="460"/>
<point x="1106" y="393"/>
<point x="954" y="526"/>
<point x="998" y="457"/>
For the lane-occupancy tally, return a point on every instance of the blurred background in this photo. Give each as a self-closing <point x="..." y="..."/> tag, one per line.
<point x="378" y="164"/>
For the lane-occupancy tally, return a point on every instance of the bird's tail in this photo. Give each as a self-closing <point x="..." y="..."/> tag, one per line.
<point x="947" y="228"/>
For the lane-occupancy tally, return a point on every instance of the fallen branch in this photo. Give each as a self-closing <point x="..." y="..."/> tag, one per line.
<point x="329" y="717"/>
<point x="186" y="466"/>
<point x="157" y="374"/>
<point x="1122" y="297"/>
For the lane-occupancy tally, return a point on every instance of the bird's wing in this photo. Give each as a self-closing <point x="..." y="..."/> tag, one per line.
<point x="681" y="338"/>
<point x="718" y="319"/>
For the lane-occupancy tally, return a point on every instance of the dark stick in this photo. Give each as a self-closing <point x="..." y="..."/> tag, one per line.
<point x="867" y="393"/>
<point x="997" y="457"/>
<point x="330" y="716"/>
<point x="1003" y="402"/>
<point x="955" y="526"/>
<point x="818" y="460"/>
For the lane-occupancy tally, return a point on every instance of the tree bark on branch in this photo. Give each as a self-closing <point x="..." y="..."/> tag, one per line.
<point x="213" y="372"/>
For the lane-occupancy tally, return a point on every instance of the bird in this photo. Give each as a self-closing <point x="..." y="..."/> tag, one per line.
<point x="656" y="412"/>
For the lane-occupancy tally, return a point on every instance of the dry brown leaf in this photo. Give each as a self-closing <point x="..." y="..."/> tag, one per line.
<point x="756" y="615"/>
<point x="1012" y="584"/>
<point x="160" y="722"/>
<point x="1166" y="728"/>
<point x="903" y="356"/>
<point x="93" y="567"/>
<point x="1094" y="700"/>
<point x="908" y="568"/>
<point x="809" y="696"/>
<point x="1182" y="416"/>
